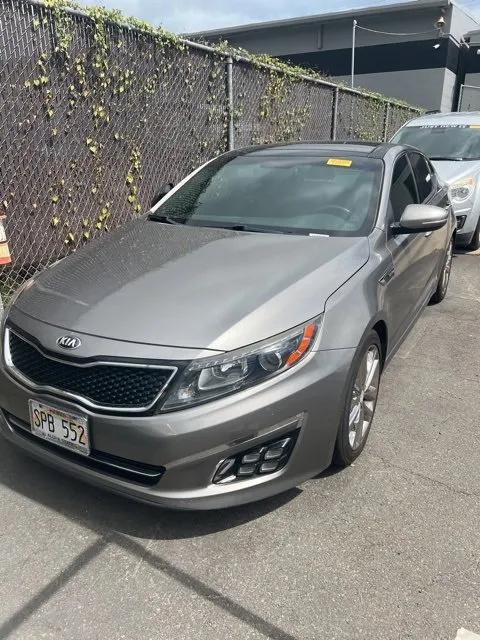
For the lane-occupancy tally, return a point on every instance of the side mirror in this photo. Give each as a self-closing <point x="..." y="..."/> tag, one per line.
<point x="418" y="218"/>
<point x="161" y="193"/>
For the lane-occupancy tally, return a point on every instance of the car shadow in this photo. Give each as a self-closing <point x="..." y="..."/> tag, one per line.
<point x="332" y="470"/>
<point x="104" y="512"/>
<point x="460" y="251"/>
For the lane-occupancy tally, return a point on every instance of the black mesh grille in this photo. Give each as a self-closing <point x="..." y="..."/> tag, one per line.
<point x="103" y="385"/>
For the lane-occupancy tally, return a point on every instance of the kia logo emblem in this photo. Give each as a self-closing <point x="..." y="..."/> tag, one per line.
<point x="69" y="342"/>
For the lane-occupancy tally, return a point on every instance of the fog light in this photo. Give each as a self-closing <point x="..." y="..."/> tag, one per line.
<point x="246" y="470"/>
<point x="277" y="450"/>
<point x="273" y="454"/>
<point x="250" y="458"/>
<point x="268" y="458"/>
<point x="268" y="467"/>
<point x="461" y="221"/>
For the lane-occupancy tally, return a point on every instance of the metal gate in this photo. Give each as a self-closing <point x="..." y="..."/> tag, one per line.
<point x="469" y="99"/>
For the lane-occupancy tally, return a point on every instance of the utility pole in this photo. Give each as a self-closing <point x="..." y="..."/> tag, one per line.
<point x="354" y="33"/>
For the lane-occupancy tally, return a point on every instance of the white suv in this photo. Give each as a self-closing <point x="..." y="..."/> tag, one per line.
<point x="452" y="143"/>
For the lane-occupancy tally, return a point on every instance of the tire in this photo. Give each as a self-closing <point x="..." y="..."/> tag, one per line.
<point x="475" y="241"/>
<point x="444" y="277"/>
<point x="353" y="430"/>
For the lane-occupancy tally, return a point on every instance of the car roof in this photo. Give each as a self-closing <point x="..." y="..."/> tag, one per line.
<point x="351" y="148"/>
<point x="458" y="117"/>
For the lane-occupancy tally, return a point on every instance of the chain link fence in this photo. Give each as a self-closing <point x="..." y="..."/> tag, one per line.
<point x="96" y="115"/>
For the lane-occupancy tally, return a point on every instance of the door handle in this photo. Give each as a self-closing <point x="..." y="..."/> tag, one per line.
<point x="387" y="276"/>
<point x="428" y="233"/>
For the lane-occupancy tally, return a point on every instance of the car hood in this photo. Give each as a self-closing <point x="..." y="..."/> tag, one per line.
<point x="451" y="172"/>
<point x="201" y="288"/>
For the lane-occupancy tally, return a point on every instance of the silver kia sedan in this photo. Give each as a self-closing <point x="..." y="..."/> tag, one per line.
<point x="229" y="344"/>
<point x="452" y="143"/>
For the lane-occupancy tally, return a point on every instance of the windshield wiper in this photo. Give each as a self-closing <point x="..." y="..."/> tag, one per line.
<point x="220" y="225"/>
<point x="165" y="219"/>
<point x="447" y="158"/>
<point x="247" y="228"/>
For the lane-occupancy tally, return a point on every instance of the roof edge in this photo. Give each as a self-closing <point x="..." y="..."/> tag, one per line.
<point x="412" y="5"/>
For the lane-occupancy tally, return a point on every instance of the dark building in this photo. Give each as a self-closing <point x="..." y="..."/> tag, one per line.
<point x="415" y="51"/>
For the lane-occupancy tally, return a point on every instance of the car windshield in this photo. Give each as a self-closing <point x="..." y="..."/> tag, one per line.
<point x="285" y="194"/>
<point x="443" y="142"/>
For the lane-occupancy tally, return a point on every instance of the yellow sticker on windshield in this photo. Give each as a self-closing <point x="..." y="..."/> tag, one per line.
<point x="475" y="126"/>
<point x="338" y="162"/>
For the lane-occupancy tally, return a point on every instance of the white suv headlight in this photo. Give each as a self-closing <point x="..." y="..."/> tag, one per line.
<point x="462" y="190"/>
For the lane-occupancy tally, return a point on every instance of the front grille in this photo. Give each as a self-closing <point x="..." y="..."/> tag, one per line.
<point x="99" y="385"/>
<point x="130" y="470"/>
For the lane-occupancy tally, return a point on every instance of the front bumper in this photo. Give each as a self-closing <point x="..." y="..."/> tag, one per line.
<point x="467" y="221"/>
<point x="187" y="446"/>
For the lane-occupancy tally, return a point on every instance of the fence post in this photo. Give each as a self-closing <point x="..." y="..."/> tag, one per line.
<point x="351" y="128"/>
<point x="230" y="130"/>
<point x="386" y="121"/>
<point x="335" y="113"/>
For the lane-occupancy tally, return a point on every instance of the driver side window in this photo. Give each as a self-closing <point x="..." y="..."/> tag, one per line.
<point x="423" y="176"/>
<point x="403" y="190"/>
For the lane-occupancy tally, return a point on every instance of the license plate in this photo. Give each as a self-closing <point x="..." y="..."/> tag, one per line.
<point x="64" y="429"/>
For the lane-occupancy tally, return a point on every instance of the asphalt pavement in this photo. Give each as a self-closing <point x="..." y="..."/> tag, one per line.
<point x="387" y="549"/>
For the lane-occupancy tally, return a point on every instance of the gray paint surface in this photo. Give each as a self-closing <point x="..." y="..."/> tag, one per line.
<point x="448" y="90"/>
<point x="79" y="564"/>
<point x="187" y="288"/>
<point x="422" y="87"/>
<point x="158" y="257"/>
<point x="329" y="36"/>
<point x="388" y="13"/>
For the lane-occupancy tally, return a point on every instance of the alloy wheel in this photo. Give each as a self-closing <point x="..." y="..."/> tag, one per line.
<point x="447" y="269"/>
<point x="364" y="397"/>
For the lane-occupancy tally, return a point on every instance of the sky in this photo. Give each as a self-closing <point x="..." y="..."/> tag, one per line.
<point x="181" y="16"/>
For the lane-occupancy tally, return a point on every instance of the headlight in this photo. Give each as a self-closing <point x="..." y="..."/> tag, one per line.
<point x="210" y="378"/>
<point x="461" y="190"/>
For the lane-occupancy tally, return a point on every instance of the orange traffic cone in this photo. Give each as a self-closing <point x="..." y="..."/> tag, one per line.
<point x="5" y="257"/>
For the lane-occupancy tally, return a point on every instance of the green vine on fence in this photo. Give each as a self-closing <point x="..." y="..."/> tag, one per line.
<point x="108" y="79"/>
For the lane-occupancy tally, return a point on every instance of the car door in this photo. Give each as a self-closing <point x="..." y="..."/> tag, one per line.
<point x="408" y="279"/>
<point x="430" y="192"/>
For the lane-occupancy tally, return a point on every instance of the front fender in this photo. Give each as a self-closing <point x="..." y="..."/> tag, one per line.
<point x="354" y="309"/>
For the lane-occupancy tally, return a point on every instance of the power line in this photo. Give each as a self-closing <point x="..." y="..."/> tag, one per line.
<point x="390" y="33"/>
